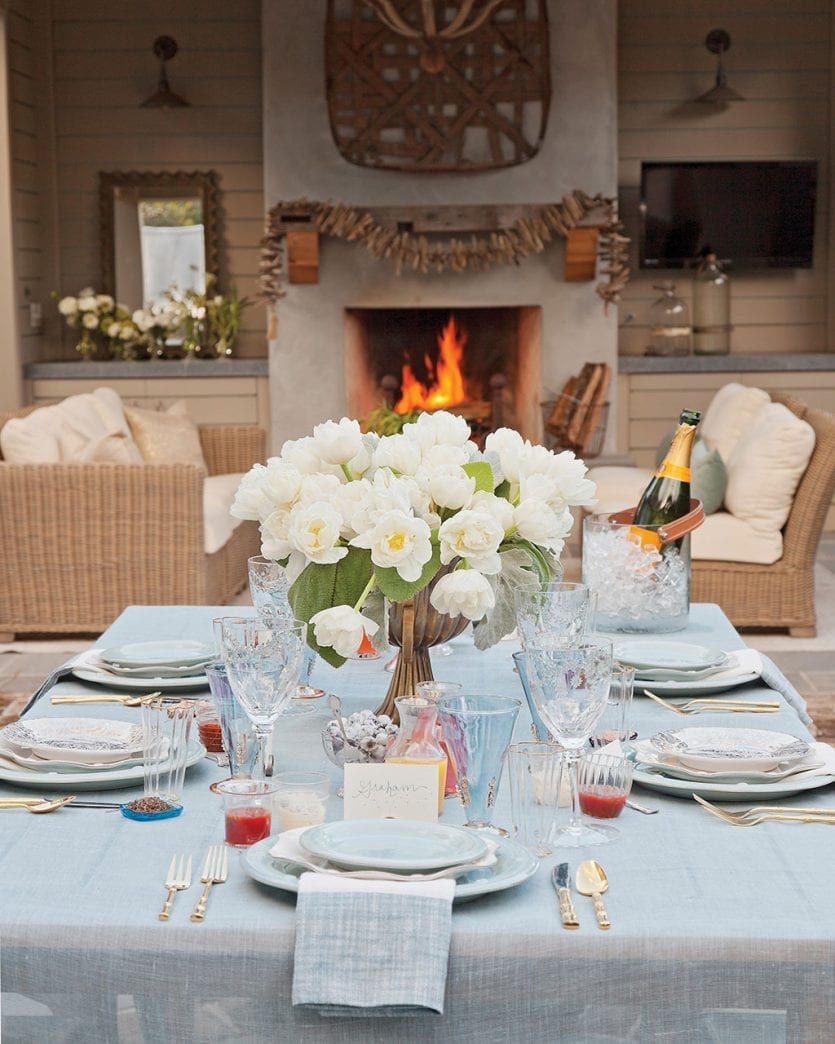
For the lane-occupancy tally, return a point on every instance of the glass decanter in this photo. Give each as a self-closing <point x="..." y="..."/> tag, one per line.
<point x="417" y="741"/>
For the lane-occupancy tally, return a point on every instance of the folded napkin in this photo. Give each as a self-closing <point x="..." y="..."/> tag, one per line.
<point x="820" y="761"/>
<point x="84" y="659"/>
<point x="371" y="948"/>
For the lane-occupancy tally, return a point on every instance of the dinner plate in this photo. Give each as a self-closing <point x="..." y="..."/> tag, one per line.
<point x="166" y="653"/>
<point x="131" y="684"/>
<point x="694" y="776"/>
<point x="728" y="791"/>
<point x="514" y="864"/>
<point x="102" y="779"/>
<point x="404" y="845"/>
<point x="717" y="749"/>
<point x="159" y="671"/>
<point x="698" y="687"/>
<point x="87" y="740"/>
<point x="674" y="655"/>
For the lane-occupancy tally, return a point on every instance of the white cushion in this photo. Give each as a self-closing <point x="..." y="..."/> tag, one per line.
<point x="729" y="415"/>
<point x="32" y="439"/>
<point x="766" y="466"/>
<point x="166" y="436"/>
<point x="725" y="538"/>
<point x="218" y="525"/>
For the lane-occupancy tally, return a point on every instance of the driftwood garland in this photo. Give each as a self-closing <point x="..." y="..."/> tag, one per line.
<point x="478" y="251"/>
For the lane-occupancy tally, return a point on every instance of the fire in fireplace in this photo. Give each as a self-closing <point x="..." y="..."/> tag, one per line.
<point x="445" y="386"/>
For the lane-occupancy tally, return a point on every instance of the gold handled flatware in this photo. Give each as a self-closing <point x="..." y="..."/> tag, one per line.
<point x="591" y="880"/>
<point x="763" y="813"/>
<point x="177" y="878"/>
<point x="105" y="697"/>
<point x="718" y="706"/>
<point x="214" y="872"/>
<point x="38" y="806"/>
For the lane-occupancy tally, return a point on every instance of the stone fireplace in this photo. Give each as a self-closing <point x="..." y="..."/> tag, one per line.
<point x="332" y="337"/>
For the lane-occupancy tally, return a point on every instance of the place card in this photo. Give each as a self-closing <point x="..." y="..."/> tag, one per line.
<point x="391" y="791"/>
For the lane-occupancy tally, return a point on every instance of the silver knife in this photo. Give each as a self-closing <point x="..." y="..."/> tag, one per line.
<point x="560" y="881"/>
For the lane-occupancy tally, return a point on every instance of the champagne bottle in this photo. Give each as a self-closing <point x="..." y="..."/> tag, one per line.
<point x="667" y="497"/>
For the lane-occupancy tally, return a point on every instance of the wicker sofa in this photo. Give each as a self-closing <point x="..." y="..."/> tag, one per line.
<point x="80" y="542"/>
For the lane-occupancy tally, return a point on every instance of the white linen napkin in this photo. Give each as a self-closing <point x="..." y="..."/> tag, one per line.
<point x="82" y="659"/>
<point x="820" y="761"/>
<point x="371" y="948"/>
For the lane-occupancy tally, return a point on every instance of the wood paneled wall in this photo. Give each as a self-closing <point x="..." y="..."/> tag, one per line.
<point x="102" y="68"/>
<point x="780" y="60"/>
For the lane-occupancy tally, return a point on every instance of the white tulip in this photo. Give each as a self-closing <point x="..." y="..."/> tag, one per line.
<point x="68" y="306"/>
<point x="496" y="507"/>
<point x="105" y="302"/>
<point x="341" y="628"/>
<point x="443" y="457"/>
<point x="318" y="487"/>
<point x="338" y="441"/>
<point x="537" y="521"/>
<point x="398" y="540"/>
<point x="303" y="454"/>
<point x="399" y="453"/>
<point x="87" y="302"/>
<point x="275" y="535"/>
<point x="450" y="487"/>
<point x="564" y="472"/>
<point x="438" y="429"/>
<point x="90" y="320"/>
<point x="464" y="592"/>
<point x="509" y="446"/>
<point x="315" y="531"/>
<point x="474" y="536"/>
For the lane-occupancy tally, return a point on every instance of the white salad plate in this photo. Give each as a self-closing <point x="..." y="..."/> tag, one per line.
<point x="680" y="656"/>
<point x="86" y="740"/>
<point x="649" y="760"/>
<point x="728" y="791"/>
<point x="165" y="654"/>
<point x="57" y="765"/>
<point x="160" y="671"/>
<point x="110" y="778"/>
<point x="401" y="845"/>
<point x="698" y="687"/>
<point x="132" y="684"/>
<point x="514" y="864"/>
<point x="716" y="749"/>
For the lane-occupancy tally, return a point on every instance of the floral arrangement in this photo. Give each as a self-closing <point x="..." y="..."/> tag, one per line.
<point x="354" y="516"/>
<point x="99" y="319"/>
<point x="208" y="320"/>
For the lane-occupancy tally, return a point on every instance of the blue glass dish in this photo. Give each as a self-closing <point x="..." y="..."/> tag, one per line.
<point x="168" y="813"/>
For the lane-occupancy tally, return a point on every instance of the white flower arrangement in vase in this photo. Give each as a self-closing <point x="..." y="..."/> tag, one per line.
<point x="98" y="317"/>
<point x="354" y="515"/>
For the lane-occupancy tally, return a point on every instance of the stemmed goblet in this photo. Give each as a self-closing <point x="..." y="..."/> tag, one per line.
<point x="555" y="608"/>
<point x="263" y="664"/>
<point x="570" y="691"/>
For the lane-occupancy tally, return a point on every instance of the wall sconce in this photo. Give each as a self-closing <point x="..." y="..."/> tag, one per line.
<point x="165" y="47"/>
<point x="717" y="42"/>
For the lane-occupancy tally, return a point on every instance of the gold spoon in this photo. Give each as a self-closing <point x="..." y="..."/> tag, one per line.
<point x="591" y="880"/>
<point x="37" y="807"/>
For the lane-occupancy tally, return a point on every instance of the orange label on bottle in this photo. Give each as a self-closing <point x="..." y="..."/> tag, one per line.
<point x="673" y="471"/>
<point x="645" y="537"/>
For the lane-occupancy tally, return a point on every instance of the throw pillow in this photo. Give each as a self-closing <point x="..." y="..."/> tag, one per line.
<point x="767" y="465"/>
<point x="32" y="439"/>
<point x="166" y="436"/>
<point x="708" y="475"/>
<point x="729" y="414"/>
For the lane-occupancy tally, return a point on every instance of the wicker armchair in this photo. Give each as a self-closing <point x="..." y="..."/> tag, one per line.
<point x="781" y="595"/>
<point x="80" y="542"/>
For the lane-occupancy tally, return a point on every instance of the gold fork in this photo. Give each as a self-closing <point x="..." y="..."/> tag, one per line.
<point x="214" y="872"/>
<point x="752" y="817"/>
<point x="177" y="878"/>
<point x="716" y="705"/>
<point x="105" y="697"/>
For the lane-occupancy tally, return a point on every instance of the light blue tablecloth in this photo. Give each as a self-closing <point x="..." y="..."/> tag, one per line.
<point x="718" y="933"/>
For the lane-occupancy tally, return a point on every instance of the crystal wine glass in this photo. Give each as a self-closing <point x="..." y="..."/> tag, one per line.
<point x="268" y="587"/>
<point x="571" y="686"/>
<point x="555" y="608"/>
<point x="263" y="665"/>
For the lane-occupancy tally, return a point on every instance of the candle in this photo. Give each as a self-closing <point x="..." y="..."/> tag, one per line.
<point x="299" y="808"/>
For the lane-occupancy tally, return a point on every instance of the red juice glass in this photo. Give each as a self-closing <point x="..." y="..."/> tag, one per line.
<point x="247" y="810"/>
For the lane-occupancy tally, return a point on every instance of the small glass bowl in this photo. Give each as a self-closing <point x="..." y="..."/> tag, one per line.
<point x="340" y="753"/>
<point x="146" y="817"/>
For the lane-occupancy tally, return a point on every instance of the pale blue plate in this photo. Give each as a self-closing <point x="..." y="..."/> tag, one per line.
<point x="514" y="864"/>
<point x="392" y="844"/>
<point x="165" y="653"/>
<point x="658" y="653"/>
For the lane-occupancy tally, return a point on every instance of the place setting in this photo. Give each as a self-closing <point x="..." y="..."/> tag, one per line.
<point x="673" y="668"/>
<point x="169" y="666"/>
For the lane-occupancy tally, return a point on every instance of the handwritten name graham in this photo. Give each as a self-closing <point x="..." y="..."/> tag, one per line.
<point x="368" y="789"/>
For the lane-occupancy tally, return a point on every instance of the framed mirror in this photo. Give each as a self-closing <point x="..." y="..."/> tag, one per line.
<point x="158" y="232"/>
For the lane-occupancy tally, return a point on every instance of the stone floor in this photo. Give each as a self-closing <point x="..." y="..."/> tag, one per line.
<point x="809" y="663"/>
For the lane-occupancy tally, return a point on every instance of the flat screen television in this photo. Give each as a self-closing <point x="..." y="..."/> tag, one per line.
<point x="750" y="214"/>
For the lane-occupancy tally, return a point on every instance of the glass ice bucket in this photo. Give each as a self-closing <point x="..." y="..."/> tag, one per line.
<point x="637" y="588"/>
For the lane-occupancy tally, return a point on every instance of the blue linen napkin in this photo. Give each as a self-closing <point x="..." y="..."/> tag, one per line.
<point x="774" y="678"/>
<point x="371" y="948"/>
<point x="63" y="671"/>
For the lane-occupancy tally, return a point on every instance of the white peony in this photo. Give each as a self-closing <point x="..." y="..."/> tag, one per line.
<point x="68" y="306"/>
<point x="398" y="540"/>
<point x="105" y="302"/>
<point x="399" y="453"/>
<point x="315" y="532"/>
<point x="474" y="536"/>
<point x="90" y="320"/>
<point x="337" y="442"/>
<point x="87" y="301"/>
<point x="341" y="628"/>
<point x="464" y="592"/>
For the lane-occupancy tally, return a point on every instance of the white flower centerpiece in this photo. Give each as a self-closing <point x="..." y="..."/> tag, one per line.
<point x="354" y="517"/>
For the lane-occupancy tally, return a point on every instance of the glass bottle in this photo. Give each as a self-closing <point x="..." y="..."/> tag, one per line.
<point x="669" y="323"/>
<point x="417" y="740"/>
<point x="667" y="497"/>
<point x="711" y="309"/>
<point x="433" y="691"/>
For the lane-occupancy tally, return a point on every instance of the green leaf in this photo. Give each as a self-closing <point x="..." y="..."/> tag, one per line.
<point x="481" y="471"/>
<point x="503" y="490"/>
<point x="396" y="589"/>
<point x="322" y="586"/>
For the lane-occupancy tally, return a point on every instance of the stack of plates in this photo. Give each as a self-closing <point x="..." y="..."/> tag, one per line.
<point x="679" y="668"/>
<point x="167" y="666"/>
<point x="744" y="762"/>
<point x="401" y="847"/>
<point x="75" y="753"/>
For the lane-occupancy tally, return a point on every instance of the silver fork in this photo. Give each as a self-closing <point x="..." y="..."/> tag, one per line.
<point x="751" y="817"/>
<point x="715" y="705"/>
<point x="177" y="878"/>
<point x="215" y="870"/>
